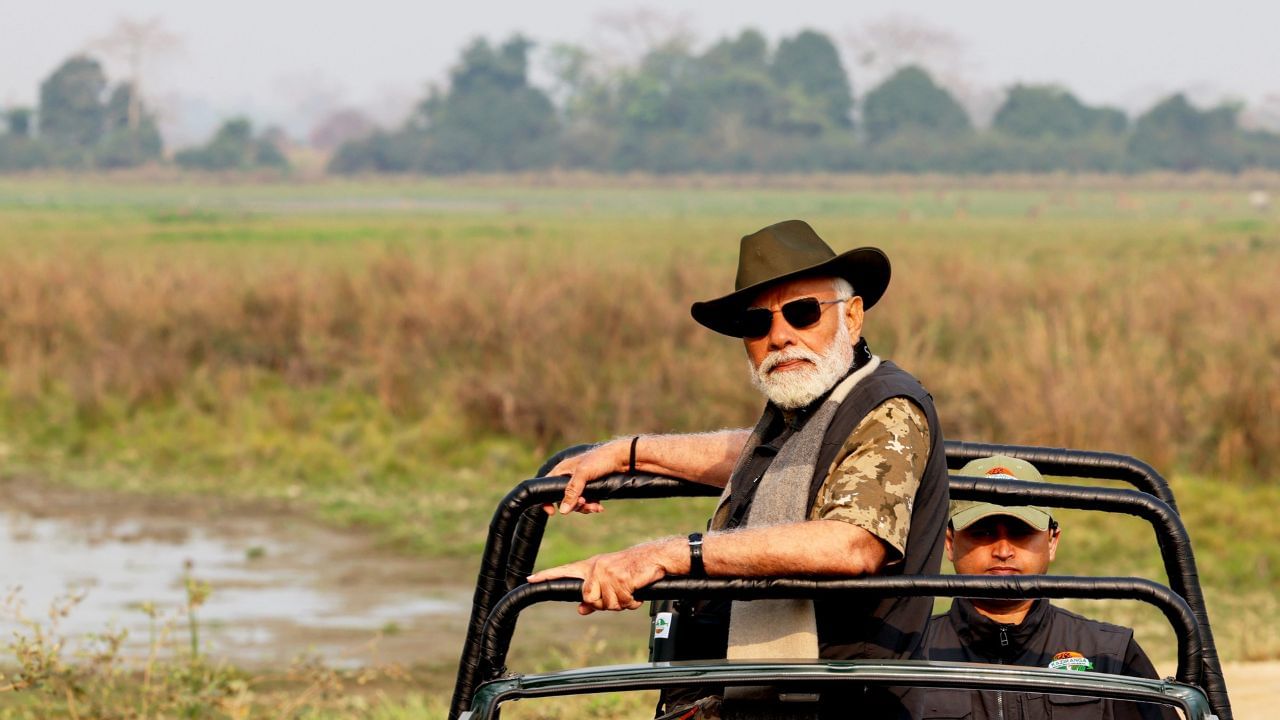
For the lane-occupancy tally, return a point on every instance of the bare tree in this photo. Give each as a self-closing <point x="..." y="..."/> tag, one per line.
<point x="882" y="47"/>
<point x="623" y="37"/>
<point x="307" y="97"/>
<point x="338" y="127"/>
<point x="135" y="43"/>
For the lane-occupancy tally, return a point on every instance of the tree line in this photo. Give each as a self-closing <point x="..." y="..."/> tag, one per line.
<point x="741" y="105"/>
<point x="84" y="122"/>
<point x="744" y="106"/>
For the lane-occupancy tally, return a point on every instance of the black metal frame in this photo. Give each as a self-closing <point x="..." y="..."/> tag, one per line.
<point x="495" y="639"/>
<point x="518" y="524"/>
<point x="1064" y="462"/>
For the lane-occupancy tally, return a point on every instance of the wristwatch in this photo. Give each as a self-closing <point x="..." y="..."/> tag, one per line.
<point x="696" y="568"/>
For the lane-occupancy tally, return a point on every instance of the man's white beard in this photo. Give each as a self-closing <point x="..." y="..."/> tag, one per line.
<point x="795" y="388"/>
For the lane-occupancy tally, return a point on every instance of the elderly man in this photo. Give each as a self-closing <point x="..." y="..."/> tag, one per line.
<point x="987" y="539"/>
<point x="844" y="474"/>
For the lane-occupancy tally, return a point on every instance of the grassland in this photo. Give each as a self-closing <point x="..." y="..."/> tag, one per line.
<point x="395" y="355"/>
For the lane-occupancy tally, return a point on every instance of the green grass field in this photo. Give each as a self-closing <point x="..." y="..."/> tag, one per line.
<point x="394" y="355"/>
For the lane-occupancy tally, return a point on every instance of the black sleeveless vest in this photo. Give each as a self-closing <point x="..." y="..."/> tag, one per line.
<point x="891" y="628"/>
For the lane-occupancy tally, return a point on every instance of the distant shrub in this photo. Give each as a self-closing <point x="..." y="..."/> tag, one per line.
<point x="23" y="153"/>
<point x="233" y="147"/>
<point x="390" y="152"/>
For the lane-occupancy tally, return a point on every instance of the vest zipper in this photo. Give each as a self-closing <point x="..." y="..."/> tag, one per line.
<point x="1004" y="643"/>
<point x="1000" y="693"/>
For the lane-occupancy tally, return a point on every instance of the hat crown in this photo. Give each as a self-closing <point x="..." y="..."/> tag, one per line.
<point x="779" y="250"/>
<point x="787" y="251"/>
<point x="964" y="513"/>
<point x="1002" y="465"/>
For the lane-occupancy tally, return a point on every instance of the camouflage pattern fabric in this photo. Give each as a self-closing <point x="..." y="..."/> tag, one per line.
<point x="876" y="473"/>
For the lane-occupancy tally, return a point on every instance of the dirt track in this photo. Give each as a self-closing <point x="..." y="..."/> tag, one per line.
<point x="1254" y="689"/>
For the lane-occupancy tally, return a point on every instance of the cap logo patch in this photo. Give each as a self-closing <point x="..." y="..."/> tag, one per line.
<point x="999" y="470"/>
<point x="1071" y="660"/>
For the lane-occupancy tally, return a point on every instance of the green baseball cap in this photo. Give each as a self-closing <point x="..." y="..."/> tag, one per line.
<point x="1002" y="467"/>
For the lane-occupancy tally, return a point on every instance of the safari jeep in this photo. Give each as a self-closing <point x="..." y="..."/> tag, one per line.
<point x="1196" y="691"/>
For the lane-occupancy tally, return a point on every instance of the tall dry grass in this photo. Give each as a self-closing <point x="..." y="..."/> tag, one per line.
<point x="1170" y="357"/>
<point x="1168" y="352"/>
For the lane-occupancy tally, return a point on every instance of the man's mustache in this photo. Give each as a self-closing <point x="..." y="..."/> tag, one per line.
<point x="777" y="357"/>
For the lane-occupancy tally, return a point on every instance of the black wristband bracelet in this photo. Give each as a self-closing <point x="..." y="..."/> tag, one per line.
<point x="631" y="464"/>
<point x="696" y="568"/>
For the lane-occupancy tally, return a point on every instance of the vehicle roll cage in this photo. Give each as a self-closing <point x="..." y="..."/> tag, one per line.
<point x="518" y="525"/>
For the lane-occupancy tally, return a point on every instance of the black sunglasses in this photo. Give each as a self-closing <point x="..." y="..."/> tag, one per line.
<point x="800" y="313"/>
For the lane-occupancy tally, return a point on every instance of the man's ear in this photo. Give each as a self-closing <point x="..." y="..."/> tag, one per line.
<point x="951" y="555"/>
<point x="853" y="314"/>
<point x="1054" y="535"/>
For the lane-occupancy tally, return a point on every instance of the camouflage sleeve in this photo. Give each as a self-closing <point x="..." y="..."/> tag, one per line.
<point x="875" y="475"/>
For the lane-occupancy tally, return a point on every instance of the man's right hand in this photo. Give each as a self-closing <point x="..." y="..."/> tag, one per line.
<point x="595" y="463"/>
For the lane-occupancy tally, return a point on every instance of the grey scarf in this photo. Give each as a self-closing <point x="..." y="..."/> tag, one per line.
<point x="784" y="628"/>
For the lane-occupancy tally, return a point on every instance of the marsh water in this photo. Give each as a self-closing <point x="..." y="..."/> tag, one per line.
<point x="280" y="587"/>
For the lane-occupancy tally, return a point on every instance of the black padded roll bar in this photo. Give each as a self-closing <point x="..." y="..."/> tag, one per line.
<point x="1065" y="462"/>
<point x="496" y="638"/>
<point x="1062" y="462"/>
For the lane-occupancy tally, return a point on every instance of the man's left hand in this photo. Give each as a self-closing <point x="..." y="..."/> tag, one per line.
<point x="609" y="581"/>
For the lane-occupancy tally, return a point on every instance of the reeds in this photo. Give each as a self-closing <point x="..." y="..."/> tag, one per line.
<point x="1164" y="350"/>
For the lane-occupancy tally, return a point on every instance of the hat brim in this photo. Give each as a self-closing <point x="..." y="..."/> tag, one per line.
<point x="1033" y="516"/>
<point x="866" y="268"/>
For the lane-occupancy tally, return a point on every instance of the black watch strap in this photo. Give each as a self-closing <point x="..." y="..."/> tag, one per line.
<point x="696" y="568"/>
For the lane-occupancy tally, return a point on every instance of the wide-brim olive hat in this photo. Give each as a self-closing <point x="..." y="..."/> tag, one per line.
<point x="967" y="512"/>
<point x="786" y="251"/>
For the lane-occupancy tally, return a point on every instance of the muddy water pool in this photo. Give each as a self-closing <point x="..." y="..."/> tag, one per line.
<point x="280" y="586"/>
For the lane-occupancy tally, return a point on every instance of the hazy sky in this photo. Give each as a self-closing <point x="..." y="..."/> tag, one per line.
<point x="287" y="61"/>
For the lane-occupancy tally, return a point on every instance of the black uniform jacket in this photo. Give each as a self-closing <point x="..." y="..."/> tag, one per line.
<point x="1048" y="637"/>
